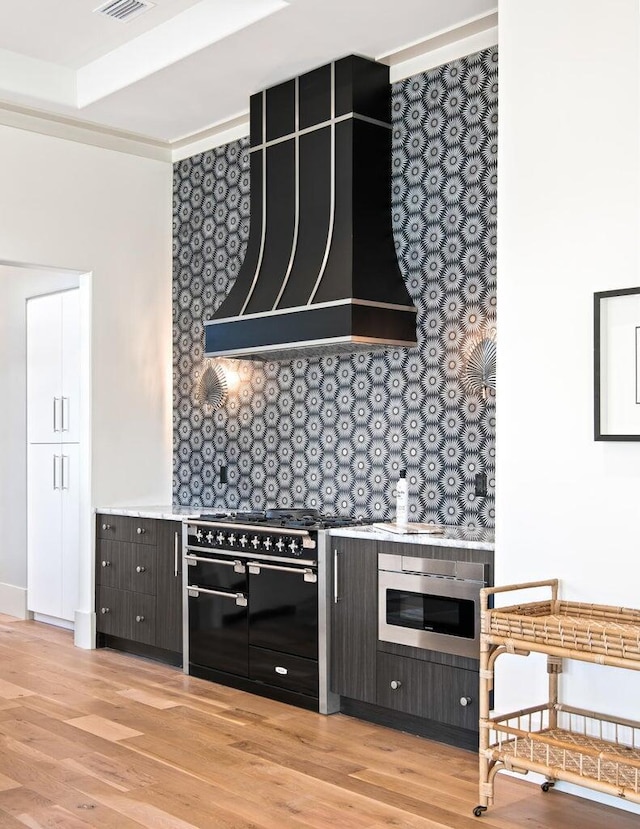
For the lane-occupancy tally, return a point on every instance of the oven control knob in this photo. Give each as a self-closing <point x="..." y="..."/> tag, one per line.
<point x="395" y="684"/>
<point x="267" y="543"/>
<point x="199" y="534"/>
<point x="293" y="546"/>
<point x="209" y="536"/>
<point x="244" y="541"/>
<point x="255" y="542"/>
<point x="464" y="701"/>
<point x="280" y="545"/>
<point x="220" y="538"/>
<point x="231" y="539"/>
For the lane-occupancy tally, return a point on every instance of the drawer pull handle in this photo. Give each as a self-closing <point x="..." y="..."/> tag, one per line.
<point x="281" y="670"/>
<point x="464" y="701"/>
<point x="140" y="569"/>
<point x="139" y="618"/>
<point x="395" y="684"/>
<point x="106" y="526"/>
<point x="104" y="610"/>
<point x="141" y="531"/>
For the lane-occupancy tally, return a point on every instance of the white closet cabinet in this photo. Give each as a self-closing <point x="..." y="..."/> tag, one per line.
<point x="53" y="454"/>
<point x="53" y="368"/>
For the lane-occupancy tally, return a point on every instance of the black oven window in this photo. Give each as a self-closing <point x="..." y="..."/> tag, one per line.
<point x="440" y="614"/>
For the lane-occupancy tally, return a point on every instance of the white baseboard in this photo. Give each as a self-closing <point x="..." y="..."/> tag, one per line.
<point x="13" y="601"/>
<point x="85" y="630"/>
<point x="53" y="620"/>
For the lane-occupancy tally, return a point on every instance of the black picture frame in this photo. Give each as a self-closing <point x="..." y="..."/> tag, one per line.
<point x="616" y="334"/>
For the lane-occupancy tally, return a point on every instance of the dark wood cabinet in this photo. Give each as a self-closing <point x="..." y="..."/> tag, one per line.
<point x="169" y="586"/>
<point x="354" y="618"/>
<point x="426" y="689"/>
<point x="139" y="585"/>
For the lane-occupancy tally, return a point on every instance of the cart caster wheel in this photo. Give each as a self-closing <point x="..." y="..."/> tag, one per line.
<point x="548" y="784"/>
<point x="479" y="810"/>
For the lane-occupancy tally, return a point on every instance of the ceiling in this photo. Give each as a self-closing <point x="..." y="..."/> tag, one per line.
<point x="183" y="67"/>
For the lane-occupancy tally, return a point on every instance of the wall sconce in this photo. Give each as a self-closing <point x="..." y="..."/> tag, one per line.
<point x="479" y="372"/>
<point x="217" y="380"/>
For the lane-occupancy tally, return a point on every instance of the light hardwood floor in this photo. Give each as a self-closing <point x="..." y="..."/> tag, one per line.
<point x="101" y="739"/>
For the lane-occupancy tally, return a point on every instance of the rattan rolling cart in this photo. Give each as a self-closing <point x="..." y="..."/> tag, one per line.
<point x="558" y="741"/>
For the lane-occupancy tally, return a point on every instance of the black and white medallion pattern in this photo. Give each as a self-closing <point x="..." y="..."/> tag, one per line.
<point x="333" y="432"/>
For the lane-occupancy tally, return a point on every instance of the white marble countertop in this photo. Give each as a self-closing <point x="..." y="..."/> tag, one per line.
<point x="479" y="539"/>
<point x="171" y="512"/>
<point x="471" y="539"/>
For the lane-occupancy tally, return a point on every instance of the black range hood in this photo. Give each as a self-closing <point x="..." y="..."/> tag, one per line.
<point x="320" y="275"/>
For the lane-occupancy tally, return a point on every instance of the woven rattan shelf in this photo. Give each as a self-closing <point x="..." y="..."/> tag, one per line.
<point x="558" y="741"/>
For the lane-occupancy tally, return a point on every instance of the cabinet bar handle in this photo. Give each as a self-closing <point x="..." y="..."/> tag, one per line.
<point x="65" y="420"/>
<point x="175" y="554"/>
<point x="64" y="458"/>
<point x="140" y="569"/>
<point x="336" y="598"/>
<point x="54" y="471"/>
<point x="55" y="414"/>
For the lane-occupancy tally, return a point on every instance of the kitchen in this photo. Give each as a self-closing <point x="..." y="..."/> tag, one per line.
<point x="129" y="396"/>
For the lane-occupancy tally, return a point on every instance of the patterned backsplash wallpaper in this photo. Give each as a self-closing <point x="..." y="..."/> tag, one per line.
<point x="333" y="432"/>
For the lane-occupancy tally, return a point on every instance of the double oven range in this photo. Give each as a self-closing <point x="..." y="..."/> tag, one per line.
<point x="256" y="603"/>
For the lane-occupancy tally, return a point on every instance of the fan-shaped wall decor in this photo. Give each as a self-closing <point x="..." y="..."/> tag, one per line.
<point x="212" y="388"/>
<point x="479" y="373"/>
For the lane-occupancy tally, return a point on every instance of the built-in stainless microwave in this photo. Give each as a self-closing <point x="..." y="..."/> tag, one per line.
<point x="430" y="603"/>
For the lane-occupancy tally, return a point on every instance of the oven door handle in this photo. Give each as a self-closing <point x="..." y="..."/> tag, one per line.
<point x="307" y="572"/>
<point x="238" y="566"/>
<point x="194" y="591"/>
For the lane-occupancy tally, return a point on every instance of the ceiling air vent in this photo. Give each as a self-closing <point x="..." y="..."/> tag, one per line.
<point x="123" y="9"/>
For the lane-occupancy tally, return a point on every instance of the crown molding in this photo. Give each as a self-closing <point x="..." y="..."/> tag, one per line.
<point x="71" y="129"/>
<point x="477" y="33"/>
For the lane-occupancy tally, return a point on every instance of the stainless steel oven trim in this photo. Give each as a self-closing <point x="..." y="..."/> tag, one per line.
<point x="328" y="701"/>
<point x="185" y="601"/>
<point x="436" y="586"/>
<point x="232" y="554"/>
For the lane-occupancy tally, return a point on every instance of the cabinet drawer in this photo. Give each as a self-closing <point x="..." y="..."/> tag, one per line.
<point x="126" y="614"/>
<point x="142" y="622"/>
<point x="291" y="672"/>
<point x="426" y="689"/>
<point x="125" y="528"/>
<point x="126" y="566"/>
<point x="112" y="612"/>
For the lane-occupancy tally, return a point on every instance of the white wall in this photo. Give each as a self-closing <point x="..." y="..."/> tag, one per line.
<point x="70" y="206"/>
<point x="566" y="506"/>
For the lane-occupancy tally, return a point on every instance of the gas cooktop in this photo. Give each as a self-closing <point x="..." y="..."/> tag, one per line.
<point x="308" y="519"/>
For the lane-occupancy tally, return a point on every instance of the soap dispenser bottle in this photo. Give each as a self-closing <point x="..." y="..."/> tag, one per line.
<point x="402" y="499"/>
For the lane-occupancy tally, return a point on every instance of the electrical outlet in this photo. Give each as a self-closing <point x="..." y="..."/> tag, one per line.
<point x="481" y="485"/>
<point x="223" y="475"/>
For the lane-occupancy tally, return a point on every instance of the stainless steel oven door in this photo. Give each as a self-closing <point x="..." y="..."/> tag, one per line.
<point x="431" y="612"/>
